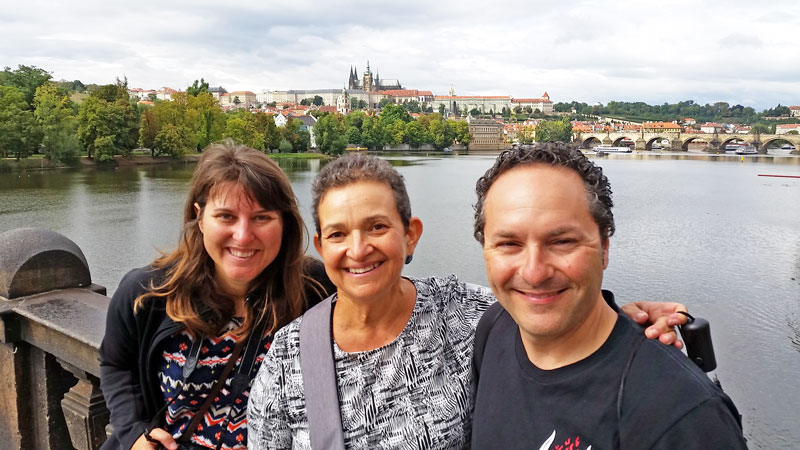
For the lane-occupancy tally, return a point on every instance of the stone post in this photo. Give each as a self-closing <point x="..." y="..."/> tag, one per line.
<point x="49" y="317"/>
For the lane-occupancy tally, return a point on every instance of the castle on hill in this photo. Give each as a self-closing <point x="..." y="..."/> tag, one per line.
<point x="368" y="83"/>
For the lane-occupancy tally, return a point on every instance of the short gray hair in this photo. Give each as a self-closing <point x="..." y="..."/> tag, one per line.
<point x="350" y="168"/>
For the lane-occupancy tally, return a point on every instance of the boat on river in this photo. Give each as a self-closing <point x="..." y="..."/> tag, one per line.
<point x="611" y="149"/>
<point x="746" y="150"/>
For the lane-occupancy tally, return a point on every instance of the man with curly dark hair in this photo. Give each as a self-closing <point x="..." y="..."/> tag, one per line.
<point x="557" y="365"/>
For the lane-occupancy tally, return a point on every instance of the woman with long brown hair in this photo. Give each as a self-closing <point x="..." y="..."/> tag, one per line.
<point x="186" y="334"/>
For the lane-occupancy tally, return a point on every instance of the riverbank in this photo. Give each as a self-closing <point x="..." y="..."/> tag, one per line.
<point x="38" y="162"/>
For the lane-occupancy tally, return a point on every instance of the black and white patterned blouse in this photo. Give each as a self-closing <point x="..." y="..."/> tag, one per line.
<point x="413" y="393"/>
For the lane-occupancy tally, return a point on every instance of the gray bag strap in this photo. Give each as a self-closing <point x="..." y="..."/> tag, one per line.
<point x="319" y="377"/>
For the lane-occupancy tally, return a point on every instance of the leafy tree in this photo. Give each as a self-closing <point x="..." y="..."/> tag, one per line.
<point x="285" y="146"/>
<point x="152" y="97"/>
<point x="317" y="101"/>
<point x="104" y="148"/>
<point x="441" y="109"/>
<point x="236" y="100"/>
<point x="108" y="112"/>
<point x="56" y="115"/>
<point x="300" y="139"/>
<point x="415" y="134"/>
<point x="208" y="119"/>
<point x="460" y="131"/>
<point x="372" y="134"/>
<point x="474" y="112"/>
<point x="525" y="135"/>
<point x="760" y="128"/>
<point x="305" y="102"/>
<point x="393" y="113"/>
<point x="19" y="134"/>
<point x="148" y="129"/>
<point x="197" y="87"/>
<point x="353" y="135"/>
<point x="26" y="79"/>
<point x="329" y="133"/>
<point x="554" y="130"/>
<point x="243" y="128"/>
<point x="174" y="140"/>
<point x="412" y="106"/>
<point x="383" y="103"/>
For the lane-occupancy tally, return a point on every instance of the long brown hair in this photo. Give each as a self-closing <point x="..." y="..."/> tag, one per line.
<point x="193" y="294"/>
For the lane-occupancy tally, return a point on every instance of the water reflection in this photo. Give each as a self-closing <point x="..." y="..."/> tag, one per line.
<point x="702" y="229"/>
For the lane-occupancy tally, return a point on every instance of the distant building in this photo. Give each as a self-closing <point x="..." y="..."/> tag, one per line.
<point x="543" y="104"/>
<point x="239" y="99"/>
<point x="487" y="134"/>
<point x="217" y="92"/>
<point x="308" y="124"/>
<point x="457" y="104"/>
<point x="659" y="127"/>
<point x="711" y="127"/>
<point x="281" y="119"/>
<point x="787" y="128"/>
<point x="343" y="103"/>
<point x="688" y="121"/>
<point x="368" y="83"/>
<point x="794" y="111"/>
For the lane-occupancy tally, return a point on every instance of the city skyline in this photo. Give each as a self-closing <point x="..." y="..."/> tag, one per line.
<point x="587" y="51"/>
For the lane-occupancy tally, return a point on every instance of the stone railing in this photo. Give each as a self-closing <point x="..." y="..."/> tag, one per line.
<point x="52" y="319"/>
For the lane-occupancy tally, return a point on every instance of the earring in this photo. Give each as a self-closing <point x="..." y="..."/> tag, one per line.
<point x="409" y="258"/>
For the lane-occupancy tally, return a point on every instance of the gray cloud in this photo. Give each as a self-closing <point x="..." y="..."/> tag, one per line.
<point x="585" y="50"/>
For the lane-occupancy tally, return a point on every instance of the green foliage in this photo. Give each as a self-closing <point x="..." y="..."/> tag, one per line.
<point x="474" y="112"/>
<point x="57" y="117"/>
<point x="317" y="101"/>
<point x="554" y="130"/>
<point x="19" y="131"/>
<point x="461" y="131"/>
<point x="412" y="106"/>
<point x="415" y="134"/>
<point x="760" y="128"/>
<point x="197" y="87"/>
<point x="383" y="103"/>
<point x="26" y="79"/>
<point x="104" y="148"/>
<point x="285" y="146"/>
<point x="108" y="112"/>
<point x="357" y="104"/>
<point x="293" y="132"/>
<point x="305" y="102"/>
<point x="174" y="140"/>
<point x="441" y="109"/>
<point x="353" y="135"/>
<point x="329" y="134"/>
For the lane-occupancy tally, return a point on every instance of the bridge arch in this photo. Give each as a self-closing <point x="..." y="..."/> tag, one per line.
<point x="590" y="141"/>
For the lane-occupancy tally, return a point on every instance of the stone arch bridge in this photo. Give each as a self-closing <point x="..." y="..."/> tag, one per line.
<point x="680" y="141"/>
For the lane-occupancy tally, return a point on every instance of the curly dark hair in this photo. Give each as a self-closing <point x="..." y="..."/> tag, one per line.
<point x="556" y="154"/>
<point x="355" y="167"/>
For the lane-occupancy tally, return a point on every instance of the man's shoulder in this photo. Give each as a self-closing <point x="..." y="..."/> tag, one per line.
<point x="662" y="387"/>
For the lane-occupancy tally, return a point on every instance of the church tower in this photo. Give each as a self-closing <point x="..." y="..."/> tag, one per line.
<point x="367" y="84"/>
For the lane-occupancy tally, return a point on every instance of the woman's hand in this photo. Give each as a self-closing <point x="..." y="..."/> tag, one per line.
<point x="662" y="318"/>
<point x="160" y="436"/>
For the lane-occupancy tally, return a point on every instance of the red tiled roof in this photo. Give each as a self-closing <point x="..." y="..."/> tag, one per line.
<point x="463" y="97"/>
<point x="530" y="100"/>
<point x="401" y="93"/>
<point x="242" y="92"/>
<point x="794" y="108"/>
<point x="426" y="93"/>
<point x="788" y="125"/>
<point x="330" y="109"/>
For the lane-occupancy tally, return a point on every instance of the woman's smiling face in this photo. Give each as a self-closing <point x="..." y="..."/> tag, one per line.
<point x="362" y="239"/>
<point x="240" y="236"/>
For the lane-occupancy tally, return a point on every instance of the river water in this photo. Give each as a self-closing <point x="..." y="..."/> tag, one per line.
<point x="703" y="230"/>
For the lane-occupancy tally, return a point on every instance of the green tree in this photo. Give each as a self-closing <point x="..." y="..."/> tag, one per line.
<point x="317" y="101"/>
<point x="26" y="79"/>
<point x="305" y="102"/>
<point x="329" y="134"/>
<point x="19" y="133"/>
<point x="174" y="140"/>
<point x="460" y="131"/>
<point x="441" y="109"/>
<point x="242" y="127"/>
<point x="285" y="146"/>
<point x="353" y="135"/>
<point x="56" y="115"/>
<point x="393" y="113"/>
<point x="104" y="148"/>
<point x="372" y="133"/>
<point x="412" y="106"/>
<point x="197" y="87"/>
<point x="208" y="120"/>
<point x="760" y="128"/>
<point x="554" y="130"/>
<point x="108" y="112"/>
<point x="383" y="103"/>
<point x="415" y="134"/>
<point x="474" y="112"/>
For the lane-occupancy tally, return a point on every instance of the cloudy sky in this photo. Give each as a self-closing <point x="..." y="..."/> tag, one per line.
<point x="738" y="51"/>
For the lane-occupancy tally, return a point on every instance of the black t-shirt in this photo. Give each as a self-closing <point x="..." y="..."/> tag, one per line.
<point x="667" y="402"/>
